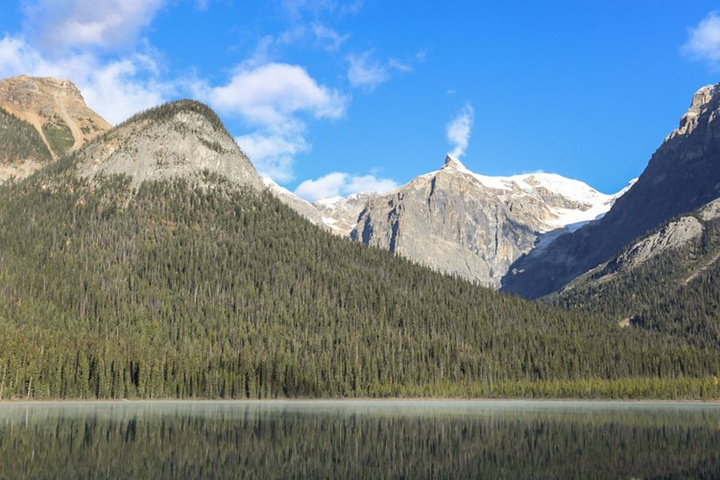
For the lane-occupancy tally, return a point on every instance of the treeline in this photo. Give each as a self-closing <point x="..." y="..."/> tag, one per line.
<point x="178" y="291"/>
<point x="20" y="141"/>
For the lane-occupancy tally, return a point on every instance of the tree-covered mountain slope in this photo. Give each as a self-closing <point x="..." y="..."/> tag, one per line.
<point x="197" y="285"/>
<point x="666" y="281"/>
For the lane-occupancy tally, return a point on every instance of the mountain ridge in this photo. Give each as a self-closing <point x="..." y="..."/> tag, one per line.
<point x="184" y="138"/>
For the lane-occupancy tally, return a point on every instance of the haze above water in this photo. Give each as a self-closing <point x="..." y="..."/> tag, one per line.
<point x="377" y="439"/>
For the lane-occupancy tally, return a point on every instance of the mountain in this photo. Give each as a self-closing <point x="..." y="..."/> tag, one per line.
<point x="665" y="281"/>
<point x="153" y="263"/>
<point x="41" y="119"/>
<point x="475" y="226"/>
<point x="682" y="175"/>
<point x="184" y="139"/>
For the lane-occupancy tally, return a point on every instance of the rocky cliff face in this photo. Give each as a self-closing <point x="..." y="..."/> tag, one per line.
<point x="475" y="226"/>
<point x="682" y="175"/>
<point x="57" y="112"/>
<point x="182" y="139"/>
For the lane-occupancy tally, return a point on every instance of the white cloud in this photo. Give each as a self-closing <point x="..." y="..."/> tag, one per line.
<point x="704" y="40"/>
<point x="115" y="89"/>
<point x="459" y="130"/>
<point x="277" y="99"/>
<point x="367" y="72"/>
<point x="326" y="186"/>
<point x="273" y="155"/>
<point x="108" y="24"/>
<point x="340" y="183"/>
<point x="369" y="183"/>
<point x="272" y="95"/>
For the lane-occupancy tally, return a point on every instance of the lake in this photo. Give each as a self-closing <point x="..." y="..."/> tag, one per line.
<point x="359" y="439"/>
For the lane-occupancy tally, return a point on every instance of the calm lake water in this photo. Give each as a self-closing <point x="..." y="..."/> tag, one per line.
<point x="348" y="439"/>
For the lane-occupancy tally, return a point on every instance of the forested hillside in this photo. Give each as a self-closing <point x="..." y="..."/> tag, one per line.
<point x="179" y="291"/>
<point x="20" y="141"/>
<point x="196" y="286"/>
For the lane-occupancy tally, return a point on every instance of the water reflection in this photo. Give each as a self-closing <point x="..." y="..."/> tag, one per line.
<point x="359" y="440"/>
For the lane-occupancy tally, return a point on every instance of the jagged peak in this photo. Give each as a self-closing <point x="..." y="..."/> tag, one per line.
<point x="452" y="161"/>
<point x="703" y="96"/>
<point x="701" y="100"/>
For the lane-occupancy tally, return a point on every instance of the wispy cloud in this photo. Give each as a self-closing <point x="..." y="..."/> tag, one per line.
<point x="298" y="8"/>
<point x="704" y="41"/>
<point x="367" y="72"/>
<point x="340" y="184"/>
<point x="330" y="39"/>
<point x="459" y="130"/>
<point x="273" y="154"/>
<point x="56" y="25"/>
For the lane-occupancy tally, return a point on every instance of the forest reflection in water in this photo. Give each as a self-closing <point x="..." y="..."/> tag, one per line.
<point x="349" y="439"/>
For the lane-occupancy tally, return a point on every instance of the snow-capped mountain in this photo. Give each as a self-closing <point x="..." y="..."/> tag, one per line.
<point x="476" y="226"/>
<point x="460" y="222"/>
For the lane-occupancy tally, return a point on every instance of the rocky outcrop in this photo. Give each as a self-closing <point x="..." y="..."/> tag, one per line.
<point x="181" y="139"/>
<point x="476" y="226"/>
<point x="682" y="175"/>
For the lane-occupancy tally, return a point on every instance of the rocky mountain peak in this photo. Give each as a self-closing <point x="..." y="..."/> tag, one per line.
<point x="179" y="139"/>
<point x="701" y="101"/>
<point x="41" y="119"/>
<point x="453" y="162"/>
<point x="475" y="226"/>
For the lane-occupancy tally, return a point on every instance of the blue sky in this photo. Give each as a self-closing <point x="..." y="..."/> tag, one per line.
<point x="331" y="97"/>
